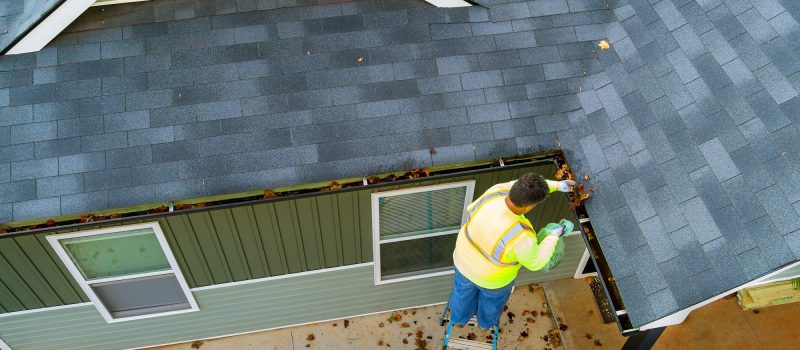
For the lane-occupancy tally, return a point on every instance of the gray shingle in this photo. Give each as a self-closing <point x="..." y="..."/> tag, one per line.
<point x="689" y="41"/>
<point x="672" y="18"/>
<point x="776" y="84"/>
<point x="742" y="76"/>
<point x="33" y="169"/>
<point x="107" y="179"/>
<point x="702" y="223"/>
<point x="718" y="46"/>
<point x="59" y="185"/>
<point x="84" y="202"/>
<point x="38" y="208"/>
<point x="719" y="160"/>
<point x="483" y="79"/>
<point x="785" y="217"/>
<point x="757" y="26"/>
<point x="489" y="112"/>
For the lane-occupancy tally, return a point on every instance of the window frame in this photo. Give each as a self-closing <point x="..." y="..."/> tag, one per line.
<point x="85" y="285"/>
<point x="376" y="237"/>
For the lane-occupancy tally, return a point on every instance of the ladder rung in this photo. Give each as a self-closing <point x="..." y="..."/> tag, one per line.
<point x="466" y="344"/>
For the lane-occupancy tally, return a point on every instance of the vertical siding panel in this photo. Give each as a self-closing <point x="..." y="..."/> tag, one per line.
<point x="177" y="251"/>
<point x="290" y="236"/>
<point x="329" y="229"/>
<point x="8" y="299"/>
<point x="17" y="285"/>
<point x="269" y="232"/>
<point x="48" y="268"/>
<point x="26" y="269"/>
<point x="207" y="238"/>
<point x="306" y="215"/>
<point x="351" y="242"/>
<point x="365" y="222"/>
<point x="225" y="230"/>
<point x="251" y="242"/>
<point x="197" y="265"/>
<point x="61" y="267"/>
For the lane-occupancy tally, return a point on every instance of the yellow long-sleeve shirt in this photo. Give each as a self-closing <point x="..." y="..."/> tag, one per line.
<point x="489" y="222"/>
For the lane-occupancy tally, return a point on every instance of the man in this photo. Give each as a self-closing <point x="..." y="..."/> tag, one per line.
<point x="495" y="242"/>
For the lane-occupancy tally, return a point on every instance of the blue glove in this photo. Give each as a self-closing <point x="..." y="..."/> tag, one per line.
<point x="566" y="185"/>
<point x="560" y="229"/>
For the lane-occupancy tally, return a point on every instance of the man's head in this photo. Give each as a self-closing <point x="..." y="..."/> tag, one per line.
<point x="529" y="190"/>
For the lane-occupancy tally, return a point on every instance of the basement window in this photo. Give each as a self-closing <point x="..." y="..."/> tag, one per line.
<point x="128" y="272"/>
<point x="414" y="230"/>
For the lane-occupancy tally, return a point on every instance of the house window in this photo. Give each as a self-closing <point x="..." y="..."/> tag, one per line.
<point x="414" y="230"/>
<point x="128" y="272"/>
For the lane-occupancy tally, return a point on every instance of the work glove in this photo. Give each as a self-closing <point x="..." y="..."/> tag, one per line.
<point x="561" y="228"/>
<point x="566" y="185"/>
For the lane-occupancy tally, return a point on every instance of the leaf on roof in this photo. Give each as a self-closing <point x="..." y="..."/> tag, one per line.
<point x="603" y="45"/>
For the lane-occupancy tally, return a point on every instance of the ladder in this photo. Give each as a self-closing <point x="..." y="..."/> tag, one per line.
<point x="466" y="344"/>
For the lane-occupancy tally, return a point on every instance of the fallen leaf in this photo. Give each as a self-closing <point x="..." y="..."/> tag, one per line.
<point x="522" y="335"/>
<point x="268" y="194"/>
<point x="562" y="327"/>
<point x="346" y="323"/>
<point x="360" y="59"/>
<point x="405" y="341"/>
<point x="471" y="336"/>
<point x="597" y="343"/>
<point x="405" y="325"/>
<point x="380" y="325"/>
<point x="588" y="336"/>
<point x="380" y="342"/>
<point x="310" y="337"/>
<point x="586" y="177"/>
<point x="510" y="317"/>
<point x="604" y="45"/>
<point x="197" y="344"/>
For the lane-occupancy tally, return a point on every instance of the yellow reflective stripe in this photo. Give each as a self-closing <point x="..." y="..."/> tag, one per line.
<point x="500" y="239"/>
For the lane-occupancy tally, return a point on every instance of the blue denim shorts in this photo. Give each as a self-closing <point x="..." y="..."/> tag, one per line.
<point x="468" y="299"/>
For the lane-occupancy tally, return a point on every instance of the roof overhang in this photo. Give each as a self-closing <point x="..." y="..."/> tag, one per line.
<point x="53" y="23"/>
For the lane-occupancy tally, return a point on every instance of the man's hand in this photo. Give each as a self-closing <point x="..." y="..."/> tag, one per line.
<point x="561" y="228"/>
<point x="566" y="185"/>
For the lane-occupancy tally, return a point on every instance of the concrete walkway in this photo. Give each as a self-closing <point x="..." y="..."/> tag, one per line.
<point x="719" y="325"/>
<point x="529" y="327"/>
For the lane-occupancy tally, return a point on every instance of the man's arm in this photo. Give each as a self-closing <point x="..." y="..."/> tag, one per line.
<point x="532" y="255"/>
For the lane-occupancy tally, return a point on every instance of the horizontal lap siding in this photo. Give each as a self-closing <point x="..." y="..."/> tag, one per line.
<point x="248" y="242"/>
<point x="249" y="307"/>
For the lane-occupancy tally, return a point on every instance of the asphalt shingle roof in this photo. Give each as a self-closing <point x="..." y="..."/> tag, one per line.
<point x="18" y="16"/>
<point x="688" y="126"/>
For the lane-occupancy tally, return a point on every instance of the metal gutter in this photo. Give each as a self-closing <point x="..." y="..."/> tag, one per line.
<point x="603" y="270"/>
<point x="293" y="192"/>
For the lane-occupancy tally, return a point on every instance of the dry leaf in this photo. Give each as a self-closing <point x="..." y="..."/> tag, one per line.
<point x="604" y="45"/>
<point x="360" y="59"/>
<point x="197" y="344"/>
<point x="269" y="194"/>
<point x="310" y="337"/>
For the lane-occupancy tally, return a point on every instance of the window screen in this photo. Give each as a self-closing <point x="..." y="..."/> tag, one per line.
<point x="128" y="271"/>
<point x="415" y="230"/>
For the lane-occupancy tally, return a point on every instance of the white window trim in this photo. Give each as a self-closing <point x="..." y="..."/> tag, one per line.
<point x="4" y="346"/>
<point x="376" y="241"/>
<point x="78" y="276"/>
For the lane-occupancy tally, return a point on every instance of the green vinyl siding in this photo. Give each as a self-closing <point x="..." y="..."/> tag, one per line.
<point x="253" y="241"/>
<point x="248" y="307"/>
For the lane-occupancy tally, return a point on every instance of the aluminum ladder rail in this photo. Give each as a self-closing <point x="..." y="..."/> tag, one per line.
<point x="466" y="344"/>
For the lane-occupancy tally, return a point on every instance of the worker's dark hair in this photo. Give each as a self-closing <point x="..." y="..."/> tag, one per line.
<point x="531" y="188"/>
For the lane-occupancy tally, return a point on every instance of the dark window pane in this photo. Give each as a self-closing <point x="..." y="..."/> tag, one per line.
<point x="422" y="212"/>
<point x="142" y="296"/>
<point x="417" y="256"/>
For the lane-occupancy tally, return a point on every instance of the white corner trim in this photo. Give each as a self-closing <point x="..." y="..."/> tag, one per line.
<point x="51" y="26"/>
<point x="4" y="346"/>
<point x="679" y="316"/>
<point x="449" y="3"/>
<point x="280" y="277"/>
<point x="582" y="265"/>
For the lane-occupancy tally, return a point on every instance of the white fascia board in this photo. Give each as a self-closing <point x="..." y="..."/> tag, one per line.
<point x="449" y="3"/>
<point x="4" y="346"/>
<point x="114" y="2"/>
<point x="679" y="316"/>
<point x="51" y="26"/>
